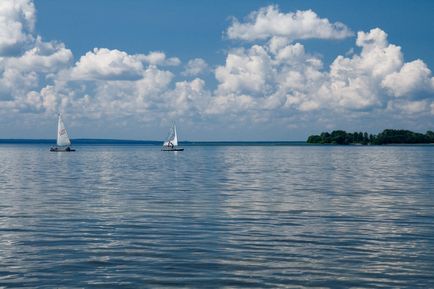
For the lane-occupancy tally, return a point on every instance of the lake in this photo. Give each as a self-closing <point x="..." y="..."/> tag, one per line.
<point x="297" y="216"/>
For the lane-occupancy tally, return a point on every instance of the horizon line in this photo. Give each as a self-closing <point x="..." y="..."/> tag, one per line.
<point x="148" y="141"/>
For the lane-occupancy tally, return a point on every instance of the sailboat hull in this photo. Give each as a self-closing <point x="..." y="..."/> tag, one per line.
<point x="60" y="149"/>
<point x="169" y="149"/>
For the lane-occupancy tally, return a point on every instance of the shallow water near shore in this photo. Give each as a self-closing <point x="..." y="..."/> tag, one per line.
<point x="217" y="216"/>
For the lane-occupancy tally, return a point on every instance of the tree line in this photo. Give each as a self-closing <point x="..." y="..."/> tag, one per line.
<point x="388" y="136"/>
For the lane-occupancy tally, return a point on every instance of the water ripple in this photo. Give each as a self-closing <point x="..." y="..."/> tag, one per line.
<point x="215" y="217"/>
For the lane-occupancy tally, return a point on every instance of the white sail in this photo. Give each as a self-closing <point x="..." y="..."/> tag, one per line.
<point x="62" y="135"/>
<point x="175" y="136"/>
<point x="172" y="139"/>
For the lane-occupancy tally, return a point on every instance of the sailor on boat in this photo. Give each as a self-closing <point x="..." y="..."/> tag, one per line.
<point x="171" y="143"/>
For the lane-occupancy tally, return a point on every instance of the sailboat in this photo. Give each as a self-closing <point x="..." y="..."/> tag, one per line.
<point x="63" y="141"/>
<point x="171" y="143"/>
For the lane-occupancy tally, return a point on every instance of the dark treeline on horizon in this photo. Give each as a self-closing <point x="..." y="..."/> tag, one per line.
<point x="388" y="136"/>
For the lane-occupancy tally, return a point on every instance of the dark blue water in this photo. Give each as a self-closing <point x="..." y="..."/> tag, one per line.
<point x="217" y="216"/>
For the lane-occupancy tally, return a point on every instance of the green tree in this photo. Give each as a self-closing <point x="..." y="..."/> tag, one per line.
<point x="365" y="138"/>
<point x="430" y="136"/>
<point x="314" y="139"/>
<point x="338" y="137"/>
<point x="325" y="137"/>
<point x="387" y="136"/>
<point x="360" y="137"/>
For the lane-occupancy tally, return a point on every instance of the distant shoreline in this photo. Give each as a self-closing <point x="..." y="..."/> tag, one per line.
<point x="122" y="142"/>
<point x="151" y="142"/>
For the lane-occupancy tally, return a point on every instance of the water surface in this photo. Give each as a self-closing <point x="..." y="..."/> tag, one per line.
<point x="217" y="216"/>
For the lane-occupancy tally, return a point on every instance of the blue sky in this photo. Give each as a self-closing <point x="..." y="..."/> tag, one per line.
<point x="223" y="70"/>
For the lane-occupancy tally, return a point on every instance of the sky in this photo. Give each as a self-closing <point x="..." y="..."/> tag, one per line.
<point x="222" y="70"/>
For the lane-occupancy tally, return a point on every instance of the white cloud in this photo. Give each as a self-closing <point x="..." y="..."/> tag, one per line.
<point x="287" y="53"/>
<point x="195" y="67"/>
<point x="377" y="56"/>
<point x="44" y="57"/>
<point x="413" y="77"/>
<point x="356" y="82"/>
<point x="410" y="107"/>
<point x="281" y="75"/>
<point x="153" y="82"/>
<point x="245" y="71"/>
<point x="105" y="64"/>
<point x="309" y="105"/>
<point x="116" y="98"/>
<point x="359" y="82"/>
<point x="187" y="99"/>
<point x="269" y="21"/>
<point x="28" y="63"/>
<point x="159" y="58"/>
<point x="271" y="81"/>
<point x="231" y="104"/>
<point x="415" y="107"/>
<point x="32" y="70"/>
<point x="277" y="75"/>
<point x="373" y="39"/>
<point x="17" y="21"/>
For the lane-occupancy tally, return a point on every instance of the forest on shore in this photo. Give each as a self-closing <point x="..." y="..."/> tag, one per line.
<point x="388" y="136"/>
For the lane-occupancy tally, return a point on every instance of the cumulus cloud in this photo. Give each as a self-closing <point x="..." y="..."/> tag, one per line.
<point x="415" y="107"/>
<point x="413" y="77"/>
<point x="187" y="99"/>
<point x="359" y="82"/>
<point x="27" y="63"/>
<point x="159" y="58"/>
<point x="105" y="64"/>
<point x="42" y="78"/>
<point x="195" y="67"/>
<point x="115" y="97"/>
<point x="43" y="57"/>
<point x="245" y="71"/>
<point x="355" y="82"/>
<point x="279" y="75"/>
<point x="32" y="70"/>
<point x="269" y="21"/>
<point x="275" y="79"/>
<point x="17" y="22"/>
<point x="230" y="104"/>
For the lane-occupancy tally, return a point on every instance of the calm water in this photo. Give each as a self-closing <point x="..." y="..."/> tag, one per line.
<point x="214" y="217"/>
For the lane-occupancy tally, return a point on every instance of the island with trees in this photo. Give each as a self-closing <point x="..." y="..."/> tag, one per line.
<point x="388" y="136"/>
